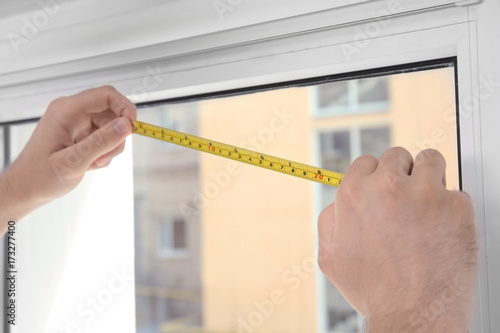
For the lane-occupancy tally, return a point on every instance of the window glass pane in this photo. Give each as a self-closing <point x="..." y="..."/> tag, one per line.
<point x="248" y="234"/>
<point x="374" y="141"/>
<point x="373" y="90"/>
<point x="335" y="93"/>
<point x="336" y="150"/>
<point x="167" y="267"/>
<point x="354" y="96"/>
<point x="19" y="137"/>
<point x="179" y="234"/>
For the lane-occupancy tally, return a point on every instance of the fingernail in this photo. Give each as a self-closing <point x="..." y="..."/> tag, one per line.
<point x="122" y="125"/>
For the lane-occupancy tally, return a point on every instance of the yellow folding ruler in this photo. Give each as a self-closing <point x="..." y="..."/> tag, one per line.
<point x="239" y="154"/>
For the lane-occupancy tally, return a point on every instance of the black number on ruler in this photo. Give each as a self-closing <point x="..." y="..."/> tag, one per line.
<point x="271" y="165"/>
<point x="304" y="173"/>
<point x="228" y="153"/>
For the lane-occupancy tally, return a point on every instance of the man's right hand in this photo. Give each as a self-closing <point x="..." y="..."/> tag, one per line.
<point x="400" y="247"/>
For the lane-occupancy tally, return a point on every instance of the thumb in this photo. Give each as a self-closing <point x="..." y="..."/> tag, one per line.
<point x="80" y="156"/>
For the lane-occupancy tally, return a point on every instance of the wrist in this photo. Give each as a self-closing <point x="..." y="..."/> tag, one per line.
<point x="421" y="321"/>
<point x="16" y="199"/>
<point x="447" y="308"/>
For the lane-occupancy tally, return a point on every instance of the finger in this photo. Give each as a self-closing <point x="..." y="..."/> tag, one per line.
<point x="430" y="165"/>
<point x="80" y="156"/>
<point x="396" y="161"/>
<point x="106" y="159"/>
<point x="98" y="120"/>
<point x="104" y="98"/>
<point x="326" y="232"/>
<point x="362" y="166"/>
<point x="102" y="118"/>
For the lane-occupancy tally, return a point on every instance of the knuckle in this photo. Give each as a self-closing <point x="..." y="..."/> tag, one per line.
<point x="398" y="151"/>
<point x="108" y="88"/>
<point x="57" y="105"/>
<point x="360" y="162"/>
<point x="430" y="155"/>
<point x="365" y="159"/>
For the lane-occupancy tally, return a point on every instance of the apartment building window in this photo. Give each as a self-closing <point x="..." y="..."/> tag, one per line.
<point x="338" y="148"/>
<point x="374" y="141"/>
<point x="180" y="117"/>
<point x="353" y="96"/>
<point x="172" y="237"/>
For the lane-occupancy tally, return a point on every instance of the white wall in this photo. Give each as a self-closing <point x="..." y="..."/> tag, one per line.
<point x="76" y="249"/>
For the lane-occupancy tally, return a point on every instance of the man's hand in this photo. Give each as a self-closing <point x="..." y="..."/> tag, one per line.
<point x="400" y="247"/>
<point x="76" y="134"/>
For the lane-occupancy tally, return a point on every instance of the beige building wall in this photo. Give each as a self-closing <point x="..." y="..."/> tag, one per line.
<point x="259" y="231"/>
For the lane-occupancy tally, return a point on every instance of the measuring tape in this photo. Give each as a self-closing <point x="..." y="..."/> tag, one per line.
<point x="239" y="154"/>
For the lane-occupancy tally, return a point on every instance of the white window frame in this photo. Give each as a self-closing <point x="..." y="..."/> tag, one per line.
<point x="247" y="57"/>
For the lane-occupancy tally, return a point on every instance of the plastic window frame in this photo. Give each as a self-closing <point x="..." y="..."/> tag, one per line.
<point x="448" y="40"/>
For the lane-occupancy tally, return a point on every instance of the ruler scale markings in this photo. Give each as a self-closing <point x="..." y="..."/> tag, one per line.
<point x="234" y="153"/>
